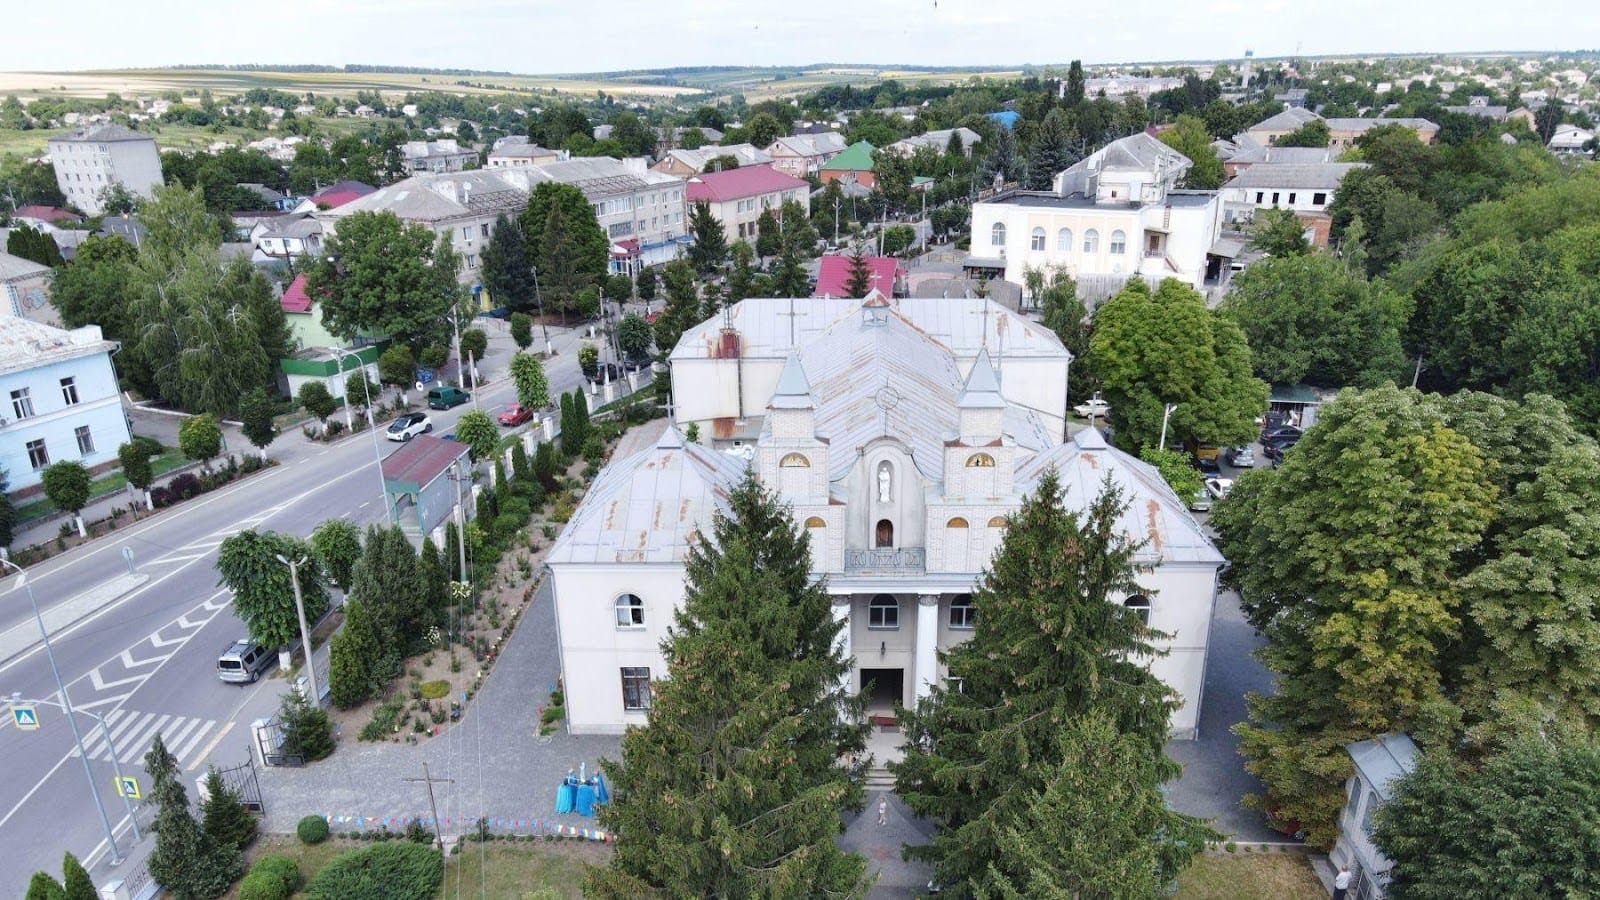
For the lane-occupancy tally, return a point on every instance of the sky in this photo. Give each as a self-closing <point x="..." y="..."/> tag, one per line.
<point x="562" y="36"/>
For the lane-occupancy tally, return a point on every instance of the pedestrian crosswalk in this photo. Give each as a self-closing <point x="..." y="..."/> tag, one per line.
<point x="132" y="733"/>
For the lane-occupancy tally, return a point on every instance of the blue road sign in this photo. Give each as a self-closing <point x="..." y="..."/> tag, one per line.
<point x="25" y="717"/>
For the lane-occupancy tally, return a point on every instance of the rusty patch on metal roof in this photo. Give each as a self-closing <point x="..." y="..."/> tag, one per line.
<point x="683" y="509"/>
<point x="656" y="521"/>
<point x="1152" y="511"/>
<point x="1089" y="460"/>
<point x="611" y="516"/>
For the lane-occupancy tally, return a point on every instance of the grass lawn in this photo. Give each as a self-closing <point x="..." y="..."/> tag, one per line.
<point x="109" y="483"/>
<point x="506" y="869"/>
<point x="1246" y="876"/>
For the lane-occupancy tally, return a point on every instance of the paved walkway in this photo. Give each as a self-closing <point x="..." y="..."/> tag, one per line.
<point x="881" y="845"/>
<point x="498" y="766"/>
<point x="1214" y="778"/>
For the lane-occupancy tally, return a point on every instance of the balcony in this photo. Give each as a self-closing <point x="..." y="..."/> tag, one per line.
<point x="904" y="561"/>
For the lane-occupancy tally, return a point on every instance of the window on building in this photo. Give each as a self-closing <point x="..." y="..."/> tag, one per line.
<point x="630" y="611"/>
<point x="485" y="229"/>
<point x="466" y="232"/>
<point x="956" y="522"/>
<point x="795" y="461"/>
<point x="883" y="612"/>
<point x="1064" y="240"/>
<point x="1291" y="198"/>
<point x="1036" y="240"/>
<point x="1141" y="606"/>
<point x="1260" y="197"/>
<point x="1091" y="241"/>
<point x="38" y="456"/>
<point x="997" y="235"/>
<point x="635" y="687"/>
<point x="980" y="461"/>
<point x="1119" y="243"/>
<point x="1355" y="799"/>
<point x="1319" y="199"/>
<point x="85" y="440"/>
<point x="997" y="522"/>
<point x="21" y="403"/>
<point x="69" y="391"/>
<point x="963" y="614"/>
<point x="1275" y="196"/>
<point x="472" y="260"/>
<point x="1366" y="817"/>
<point x="816" y="522"/>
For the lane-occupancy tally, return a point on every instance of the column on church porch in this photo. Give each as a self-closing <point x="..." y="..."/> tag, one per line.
<point x="841" y="613"/>
<point x="927" y="673"/>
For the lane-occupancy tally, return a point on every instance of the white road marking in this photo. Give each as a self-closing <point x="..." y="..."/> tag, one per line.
<point x="176" y="738"/>
<point x="206" y="753"/>
<point x="132" y="748"/>
<point x="183" y="752"/>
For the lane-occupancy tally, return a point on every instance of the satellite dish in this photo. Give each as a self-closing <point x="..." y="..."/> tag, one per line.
<point x="420" y="386"/>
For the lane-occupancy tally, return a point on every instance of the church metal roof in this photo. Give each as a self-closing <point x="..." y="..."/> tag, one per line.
<point x="1154" y="513"/>
<point x="649" y="507"/>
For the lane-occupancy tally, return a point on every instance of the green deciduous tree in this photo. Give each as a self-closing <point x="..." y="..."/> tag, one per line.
<point x="733" y="788"/>
<point x="634" y="337"/>
<point x="185" y="861"/>
<point x="315" y="398"/>
<point x="1175" y="469"/>
<point x="1151" y="348"/>
<point x="1099" y="826"/>
<point x="769" y="236"/>
<point x="521" y="330"/>
<point x="710" y="245"/>
<point x="477" y="431"/>
<point x="1524" y="824"/>
<point x="263" y="593"/>
<point x="8" y="512"/>
<point x="66" y="485"/>
<point x="474" y="344"/>
<point x="1312" y="134"/>
<point x="255" y="413"/>
<point x="1313" y="319"/>
<point x="337" y="545"/>
<point x="379" y="274"/>
<point x="1355" y="589"/>
<point x="1278" y="233"/>
<point x="1053" y="643"/>
<point x="200" y="438"/>
<point x="762" y="129"/>
<point x="98" y="288"/>
<point x="798" y="232"/>
<point x="645" y="283"/>
<point x="1190" y="137"/>
<point x="397" y="366"/>
<point x="223" y="816"/>
<point x="533" y="388"/>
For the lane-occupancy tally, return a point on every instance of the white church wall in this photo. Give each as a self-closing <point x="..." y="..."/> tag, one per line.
<point x="1182" y="598"/>
<point x="905" y="505"/>
<point x="594" y="650"/>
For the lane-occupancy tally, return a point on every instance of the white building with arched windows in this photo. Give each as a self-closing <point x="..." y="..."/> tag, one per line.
<point x="1116" y="214"/>
<point x="901" y="435"/>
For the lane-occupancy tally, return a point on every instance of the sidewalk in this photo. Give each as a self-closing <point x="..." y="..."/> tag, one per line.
<point x="881" y="845"/>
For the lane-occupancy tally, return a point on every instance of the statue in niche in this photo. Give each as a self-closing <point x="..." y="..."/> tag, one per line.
<point x="884" y="479"/>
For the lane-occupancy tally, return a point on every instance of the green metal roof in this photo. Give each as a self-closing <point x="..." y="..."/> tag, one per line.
<point x="855" y="158"/>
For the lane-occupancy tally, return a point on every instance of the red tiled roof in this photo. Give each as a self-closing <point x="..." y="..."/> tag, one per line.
<point x="46" y="213"/>
<point x="833" y="280"/>
<point x="339" y="193"/>
<point x="295" y="299"/>
<point x="736" y="184"/>
<point x="421" y="460"/>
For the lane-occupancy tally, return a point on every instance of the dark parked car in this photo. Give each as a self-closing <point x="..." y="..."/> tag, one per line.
<point x="607" y="371"/>
<point x="446" y="397"/>
<point x="1207" y="465"/>
<point x="1276" y="449"/>
<point x="1277" y="431"/>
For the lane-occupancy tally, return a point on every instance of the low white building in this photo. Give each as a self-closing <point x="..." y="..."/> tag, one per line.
<point x="1114" y="215"/>
<point x="91" y="159"/>
<point x="1378" y="764"/>
<point x="938" y="140"/>
<point x="60" y="399"/>
<point x="443" y="155"/>
<point x="1302" y="188"/>
<point x="683" y="163"/>
<point x="901" y="436"/>
<point x="1571" y="139"/>
<point x="804" y="154"/>
<point x="517" y="150"/>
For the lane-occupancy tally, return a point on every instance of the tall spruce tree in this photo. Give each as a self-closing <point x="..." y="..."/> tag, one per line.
<point x="710" y="245"/>
<point x="223" y="816"/>
<point x="75" y="880"/>
<point x="432" y="576"/>
<point x="186" y="861"/>
<point x="1053" y="643"/>
<point x="734" y="788"/>
<point x="385" y="580"/>
<point x="860" y="282"/>
<point x="508" y="267"/>
<point x="1052" y="151"/>
<point x="354" y="655"/>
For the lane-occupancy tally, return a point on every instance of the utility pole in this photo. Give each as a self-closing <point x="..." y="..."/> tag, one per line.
<point x="305" y="632"/>
<point x="461" y="520"/>
<point x="1416" y="375"/>
<point x="433" y="805"/>
<point x="1166" y="414"/>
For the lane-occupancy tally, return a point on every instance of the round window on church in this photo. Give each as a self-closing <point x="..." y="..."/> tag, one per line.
<point x="980" y="461"/>
<point x="997" y="522"/>
<point x="816" y="522"/>
<point x="957" y="522"/>
<point x="795" y="461"/>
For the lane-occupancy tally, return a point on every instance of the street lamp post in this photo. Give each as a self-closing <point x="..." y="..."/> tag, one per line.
<point x="538" y="298"/>
<point x="1165" y="415"/>
<point x="66" y="706"/>
<point x="105" y="734"/>
<point x="372" y="426"/>
<point x="305" y="633"/>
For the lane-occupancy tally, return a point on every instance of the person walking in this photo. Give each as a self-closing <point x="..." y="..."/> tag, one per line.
<point x="1341" y="883"/>
<point x="883" y="810"/>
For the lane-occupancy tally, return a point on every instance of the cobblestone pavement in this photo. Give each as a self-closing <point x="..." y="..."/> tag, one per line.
<point x="497" y="766"/>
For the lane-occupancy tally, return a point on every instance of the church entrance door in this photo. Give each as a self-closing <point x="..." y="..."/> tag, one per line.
<point x="884" y="688"/>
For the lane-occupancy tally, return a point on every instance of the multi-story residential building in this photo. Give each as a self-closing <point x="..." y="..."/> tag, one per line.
<point x="1269" y="130"/>
<point x="641" y="212"/>
<point x="737" y="197"/>
<point x="1342" y="133"/>
<point x="803" y="154"/>
<point x="938" y="140"/>
<point x="58" y="399"/>
<point x="684" y="163"/>
<point x="1248" y="153"/>
<point x="443" y="155"/>
<point x="901" y="436"/>
<point x="1113" y="215"/>
<point x="90" y="160"/>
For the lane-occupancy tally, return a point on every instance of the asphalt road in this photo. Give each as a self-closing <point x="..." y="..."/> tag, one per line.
<point x="147" y="662"/>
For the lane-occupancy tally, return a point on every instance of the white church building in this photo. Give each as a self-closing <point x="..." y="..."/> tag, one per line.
<point x="901" y="434"/>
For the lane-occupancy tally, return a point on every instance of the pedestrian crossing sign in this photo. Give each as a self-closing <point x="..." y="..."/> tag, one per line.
<point x="128" y="786"/>
<point x="25" y="717"/>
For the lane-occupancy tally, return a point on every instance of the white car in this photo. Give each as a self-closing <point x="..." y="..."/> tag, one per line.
<point x="408" y="426"/>
<point x="1094" y="407"/>
<point x="1219" y="487"/>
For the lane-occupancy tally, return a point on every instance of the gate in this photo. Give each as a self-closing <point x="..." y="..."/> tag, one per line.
<point x="241" y="779"/>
